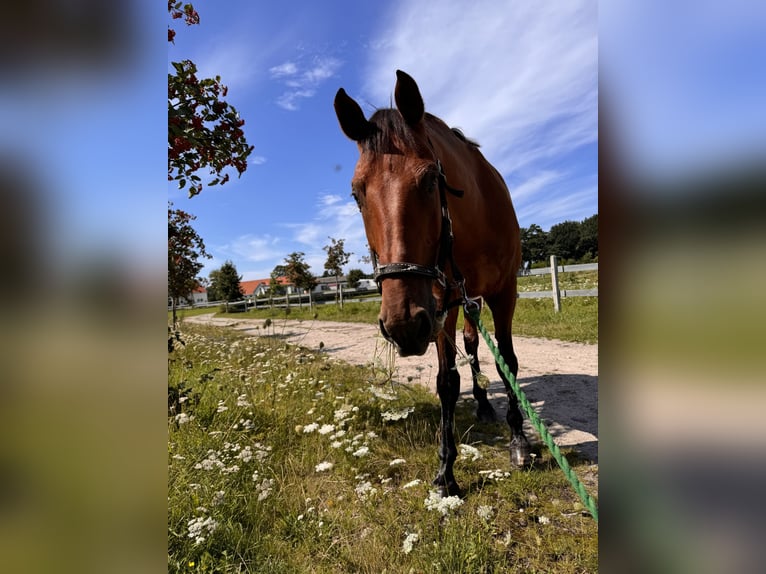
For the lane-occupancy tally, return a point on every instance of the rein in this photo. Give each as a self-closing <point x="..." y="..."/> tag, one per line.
<point x="436" y="272"/>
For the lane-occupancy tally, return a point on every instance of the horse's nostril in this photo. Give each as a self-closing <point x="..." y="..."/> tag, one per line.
<point x="383" y="330"/>
<point x="424" y="329"/>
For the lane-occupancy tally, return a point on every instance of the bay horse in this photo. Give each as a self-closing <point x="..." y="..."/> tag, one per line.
<point x="439" y="222"/>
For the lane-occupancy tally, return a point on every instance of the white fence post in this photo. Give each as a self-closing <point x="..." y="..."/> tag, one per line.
<point x="555" y="283"/>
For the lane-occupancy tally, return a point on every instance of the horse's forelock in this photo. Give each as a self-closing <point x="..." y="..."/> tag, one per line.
<point x="392" y="133"/>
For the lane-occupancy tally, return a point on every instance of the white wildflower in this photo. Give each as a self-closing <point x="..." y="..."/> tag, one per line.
<point x="409" y="541"/>
<point x="382" y="394"/>
<point x="443" y="505"/>
<point x="466" y="450"/>
<point x="311" y="427"/>
<point x="365" y="490"/>
<point x="242" y="401"/>
<point x="221" y="407"/>
<point x="412" y="483"/>
<point x="264" y="488"/>
<point x="543" y="520"/>
<point x="201" y="527"/>
<point x="496" y="474"/>
<point x="484" y="512"/>
<point x="372" y="435"/>
<point x="395" y="415"/>
<point x="322" y="466"/>
<point x="396" y="462"/>
<point x="336" y="444"/>
<point x="361" y="451"/>
<point x="342" y="413"/>
<point x="183" y="418"/>
<point x="246" y="454"/>
<point x="326" y="429"/>
<point x="210" y="462"/>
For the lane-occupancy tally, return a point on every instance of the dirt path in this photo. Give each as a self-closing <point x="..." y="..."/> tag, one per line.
<point x="559" y="379"/>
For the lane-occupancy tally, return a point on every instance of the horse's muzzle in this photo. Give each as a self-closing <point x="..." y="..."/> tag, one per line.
<point x="411" y="336"/>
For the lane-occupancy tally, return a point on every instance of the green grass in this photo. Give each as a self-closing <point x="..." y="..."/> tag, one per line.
<point x="258" y="396"/>
<point x="568" y="280"/>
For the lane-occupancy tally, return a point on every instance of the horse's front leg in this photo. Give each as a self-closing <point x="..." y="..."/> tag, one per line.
<point x="502" y="312"/>
<point x="448" y="389"/>
<point x="484" y="411"/>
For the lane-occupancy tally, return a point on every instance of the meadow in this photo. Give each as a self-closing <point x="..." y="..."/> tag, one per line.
<point x="283" y="459"/>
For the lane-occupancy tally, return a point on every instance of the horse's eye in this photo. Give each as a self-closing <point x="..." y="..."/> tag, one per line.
<point x="356" y="193"/>
<point x="428" y="183"/>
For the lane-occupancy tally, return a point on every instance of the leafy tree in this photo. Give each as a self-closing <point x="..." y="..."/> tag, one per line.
<point x="587" y="246"/>
<point x="275" y="288"/>
<point x="204" y="131"/>
<point x="353" y="277"/>
<point x="185" y="247"/>
<point x="563" y="239"/>
<point x="299" y="274"/>
<point x="225" y="283"/>
<point x="337" y="257"/>
<point x="213" y="280"/>
<point x="534" y="243"/>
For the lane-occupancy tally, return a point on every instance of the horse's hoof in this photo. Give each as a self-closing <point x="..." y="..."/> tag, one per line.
<point x="520" y="451"/>
<point x="486" y="414"/>
<point x="450" y="489"/>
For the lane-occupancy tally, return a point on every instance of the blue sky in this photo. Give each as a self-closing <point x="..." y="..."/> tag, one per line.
<point x="686" y="83"/>
<point x="521" y="80"/>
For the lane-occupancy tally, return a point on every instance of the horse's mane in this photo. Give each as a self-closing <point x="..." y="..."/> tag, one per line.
<point x="392" y="133"/>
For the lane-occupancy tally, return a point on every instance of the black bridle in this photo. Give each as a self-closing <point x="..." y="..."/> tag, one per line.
<point x="436" y="272"/>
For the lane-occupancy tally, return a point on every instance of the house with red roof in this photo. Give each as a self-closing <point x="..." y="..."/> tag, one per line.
<point x="260" y="287"/>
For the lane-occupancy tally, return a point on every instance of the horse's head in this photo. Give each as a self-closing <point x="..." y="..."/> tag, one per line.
<point x="396" y="185"/>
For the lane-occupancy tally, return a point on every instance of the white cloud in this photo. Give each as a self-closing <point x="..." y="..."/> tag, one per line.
<point x="286" y="69"/>
<point x="301" y="80"/>
<point x="521" y="78"/>
<point x="252" y="248"/>
<point x="231" y="59"/>
<point x="338" y="218"/>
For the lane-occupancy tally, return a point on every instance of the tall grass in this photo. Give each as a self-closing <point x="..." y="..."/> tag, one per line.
<point x="284" y="460"/>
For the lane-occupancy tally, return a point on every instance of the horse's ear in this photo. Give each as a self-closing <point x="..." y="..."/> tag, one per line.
<point x="408" y="98"/>
<point x="351" y="117"/>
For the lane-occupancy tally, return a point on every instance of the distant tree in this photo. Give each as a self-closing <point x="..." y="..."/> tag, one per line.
<point x="337" y="257"/>
<point x="353" y="277"/>
<point x="534" y="243"/>
<point x="212" y="284"/>
<point x="299" y="274"/>
<point x="226" y="283"/>
<point x="185" y="247"/>
<point x="563" y="239"/>
<point x="587" y="246"/>
<point x="275" y="287"/>
<point x="204" y="131"/>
